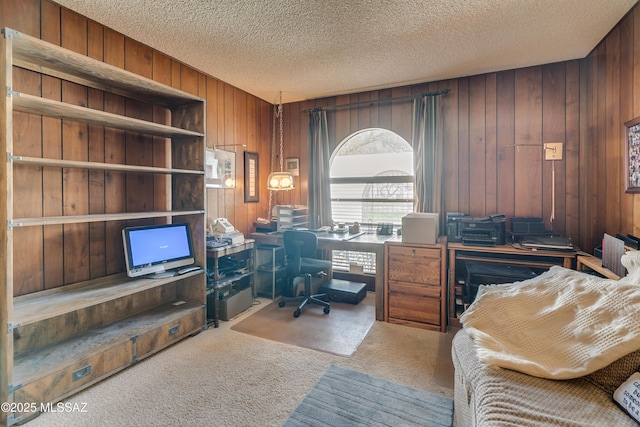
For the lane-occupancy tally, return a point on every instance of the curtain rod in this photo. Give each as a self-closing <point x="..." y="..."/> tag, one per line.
<point x="378" y="101"/>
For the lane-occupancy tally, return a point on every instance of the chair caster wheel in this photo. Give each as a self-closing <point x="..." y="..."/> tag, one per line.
<point x="296" y="313"/>
<point x="281" y="304"/>
<point x="327" y="310"/>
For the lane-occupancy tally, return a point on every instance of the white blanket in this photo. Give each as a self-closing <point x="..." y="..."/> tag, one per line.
<point x="562" y="324"/>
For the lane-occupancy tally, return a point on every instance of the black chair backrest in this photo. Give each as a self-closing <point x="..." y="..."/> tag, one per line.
<point x="300" y="243"/>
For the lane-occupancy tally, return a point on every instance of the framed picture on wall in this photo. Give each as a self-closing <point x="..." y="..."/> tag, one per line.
<point x="632" y="156"/>
<point x="292" y="165"/>
<point x="251" y="177"/>
<point x="220" y="169"/>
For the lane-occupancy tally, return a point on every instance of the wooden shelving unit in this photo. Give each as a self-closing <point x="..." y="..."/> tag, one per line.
<point x="239" y="279"/>
<point x="57" y="341"/>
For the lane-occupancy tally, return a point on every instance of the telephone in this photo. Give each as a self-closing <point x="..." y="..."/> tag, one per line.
<point x="221" y="226"/>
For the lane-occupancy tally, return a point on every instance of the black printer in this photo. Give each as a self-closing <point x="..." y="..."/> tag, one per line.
<point x="485" y="231"/>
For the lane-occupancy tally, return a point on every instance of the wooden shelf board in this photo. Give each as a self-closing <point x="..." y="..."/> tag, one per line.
<point x="227" y="281"/>
<point x="595" y="264"/>
<point x="47" y="107"/>
<point x="36" y="364"/>
<point x="37" y="161"/>
<point x="43" y="57"/>
<point x="35" y="307"/>
<point x="75" y="219"/>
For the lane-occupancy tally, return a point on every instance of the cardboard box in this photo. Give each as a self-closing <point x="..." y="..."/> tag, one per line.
<point x="420" y="227"/>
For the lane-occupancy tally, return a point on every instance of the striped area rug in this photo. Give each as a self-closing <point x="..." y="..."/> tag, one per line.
<point x="348" y="398"/>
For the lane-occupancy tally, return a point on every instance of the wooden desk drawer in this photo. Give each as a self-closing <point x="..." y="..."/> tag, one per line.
<point x="77" y="376"/>
<point x="413" y="290"/>
<point x="159" y="338"/>
<point x="416" y="309"/>
<point x="414" y="265"/>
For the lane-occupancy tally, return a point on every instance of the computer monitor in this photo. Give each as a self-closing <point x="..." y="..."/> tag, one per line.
<point x="155" y="249"/>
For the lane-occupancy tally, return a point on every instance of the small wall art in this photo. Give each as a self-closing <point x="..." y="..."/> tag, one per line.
<point x="292" y="165"/>
<point x="220" y="168"/>
<point x="251" y="177"/>
<point x="632" y="156"/>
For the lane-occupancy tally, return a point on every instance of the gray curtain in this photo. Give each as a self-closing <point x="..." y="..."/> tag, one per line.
<point x="319" y="184"/>
<point x="428" y="149"/>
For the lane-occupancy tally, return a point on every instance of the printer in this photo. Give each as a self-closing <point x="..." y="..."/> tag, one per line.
<point x="484" y="231"/>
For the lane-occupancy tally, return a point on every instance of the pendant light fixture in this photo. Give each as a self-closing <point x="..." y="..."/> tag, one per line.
<point x="279" y="181"/>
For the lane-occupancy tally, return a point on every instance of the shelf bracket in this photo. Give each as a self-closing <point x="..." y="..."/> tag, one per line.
<point x="12" y="326"/>
<point x="13" y="388"/>
<point x="11" y="92"/>
<point x="9" y="33"/>
<point x="12" y="419"/>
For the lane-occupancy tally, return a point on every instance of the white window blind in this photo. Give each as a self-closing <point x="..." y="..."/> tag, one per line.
<point x="371" y="183"/>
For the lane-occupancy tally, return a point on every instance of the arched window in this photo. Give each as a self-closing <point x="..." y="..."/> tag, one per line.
<point x="371" y="183"/>
<point x="372" y="178"/>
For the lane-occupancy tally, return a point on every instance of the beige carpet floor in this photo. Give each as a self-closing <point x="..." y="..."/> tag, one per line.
<point x="339" y="332"/>
<point x="221" y="377"/>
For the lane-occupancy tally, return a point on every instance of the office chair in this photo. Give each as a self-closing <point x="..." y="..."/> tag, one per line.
<point x="300" y="248"/>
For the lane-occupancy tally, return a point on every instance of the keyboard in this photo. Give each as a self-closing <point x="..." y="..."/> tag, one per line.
<point x="213" y="243"/>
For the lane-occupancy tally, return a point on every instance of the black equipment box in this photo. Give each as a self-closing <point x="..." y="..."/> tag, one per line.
<point x="527" y="225"/>
<point x="344" y="291"/>
<point x="487" y="273"/>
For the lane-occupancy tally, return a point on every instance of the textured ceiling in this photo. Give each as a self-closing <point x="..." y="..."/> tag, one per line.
<point x="315" y="48"/>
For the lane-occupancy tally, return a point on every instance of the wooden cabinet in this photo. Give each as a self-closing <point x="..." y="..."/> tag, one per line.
<point x="72" y="317"/>
<point x="415" y="284"/>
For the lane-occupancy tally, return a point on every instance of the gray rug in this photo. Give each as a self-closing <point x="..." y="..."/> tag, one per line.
<point x="348" y="398"/>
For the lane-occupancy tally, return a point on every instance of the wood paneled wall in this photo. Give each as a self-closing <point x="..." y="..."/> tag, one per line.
<point x="52" y="256"/>
<point x="613" y="98"/>
<point x="494" y="129"/>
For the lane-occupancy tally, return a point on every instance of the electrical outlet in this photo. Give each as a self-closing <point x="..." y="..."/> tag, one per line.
<point x="553" y="151"/>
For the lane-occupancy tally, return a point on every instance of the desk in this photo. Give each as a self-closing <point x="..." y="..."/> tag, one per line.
<point x="506" y="254"/>
<point x="364" y="242"/>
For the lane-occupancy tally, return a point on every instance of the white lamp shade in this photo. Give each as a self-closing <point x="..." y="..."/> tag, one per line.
<point x="278" y="181"/>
